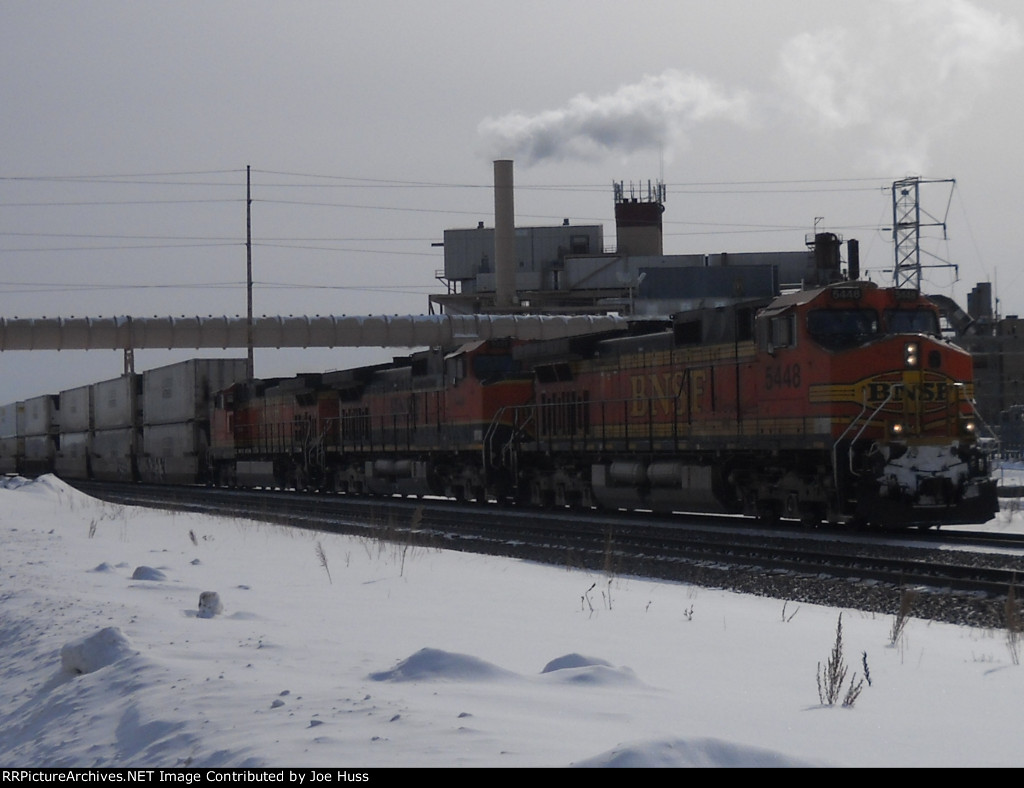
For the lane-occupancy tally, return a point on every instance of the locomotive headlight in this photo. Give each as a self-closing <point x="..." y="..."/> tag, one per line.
<point x="969" y="427"/>
<point x="911" y="354"/>
<point x="896" y="429"/>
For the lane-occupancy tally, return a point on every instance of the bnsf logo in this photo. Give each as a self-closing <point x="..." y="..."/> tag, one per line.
<point x="657" y="392"/>
<point x="894" y="391"/>
<point x="926" y="391"/>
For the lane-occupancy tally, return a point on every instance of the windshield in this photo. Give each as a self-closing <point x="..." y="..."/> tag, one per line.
<point x="912" y="321"/>
<point x="838" y="329"/>
<point x="489" y="369"/>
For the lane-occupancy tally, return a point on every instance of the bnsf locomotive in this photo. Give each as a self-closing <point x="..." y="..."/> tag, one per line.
<point x="842" y="404"/>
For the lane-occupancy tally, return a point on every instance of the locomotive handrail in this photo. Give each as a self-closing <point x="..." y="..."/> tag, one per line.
<point x="489" y="437"/>
<point x="962" y="391"/>
<point x="583" y="429"/>
<point x="851" y="425"/>
<point x="684" y="383"/>
<point x="892" y="392"/>
<point x="492" y="428"/>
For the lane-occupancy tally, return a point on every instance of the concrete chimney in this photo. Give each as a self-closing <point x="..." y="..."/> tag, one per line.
<point x="504" y="236"/>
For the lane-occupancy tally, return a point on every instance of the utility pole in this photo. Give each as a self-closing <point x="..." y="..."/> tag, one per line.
<point x="250" y="369"/>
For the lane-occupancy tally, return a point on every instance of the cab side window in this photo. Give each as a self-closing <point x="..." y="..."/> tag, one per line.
<point x="782" y="331"/>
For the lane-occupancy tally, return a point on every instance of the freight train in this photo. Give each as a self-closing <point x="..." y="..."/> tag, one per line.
<point x="841" y="404"/>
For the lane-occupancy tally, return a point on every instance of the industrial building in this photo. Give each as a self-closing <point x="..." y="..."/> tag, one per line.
<point x="568" y="269"/>
<point x="997" y="345"/>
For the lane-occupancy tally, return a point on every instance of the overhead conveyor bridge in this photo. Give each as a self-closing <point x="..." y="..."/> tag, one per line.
<point x="139" y="333"/>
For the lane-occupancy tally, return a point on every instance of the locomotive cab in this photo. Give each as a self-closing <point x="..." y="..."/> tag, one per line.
<point x="900" y="401"/>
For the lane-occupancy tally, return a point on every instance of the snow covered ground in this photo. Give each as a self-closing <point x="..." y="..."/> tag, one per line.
<point x="346" y="652"/>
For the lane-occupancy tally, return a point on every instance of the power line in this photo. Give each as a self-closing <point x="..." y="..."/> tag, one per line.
<point x="346" y="249"/>
<point x="357" y="181"/>
<point x="100" y="203"/>
<point x="108" y="236"/>
<point x="121" y="248"/>
<point x="320" y="243"/>
<point x="103" y="177"/>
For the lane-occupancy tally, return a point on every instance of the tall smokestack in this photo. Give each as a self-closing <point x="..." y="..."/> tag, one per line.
<point x="504" y="235"/>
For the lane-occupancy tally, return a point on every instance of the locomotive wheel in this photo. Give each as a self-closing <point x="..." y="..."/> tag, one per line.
<point x="811" y="515"/>
<point x="769" y="512"/>
<point x="541" y="497"/>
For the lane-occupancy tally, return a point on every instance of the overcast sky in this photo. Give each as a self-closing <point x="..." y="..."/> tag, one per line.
<point x="126" y="129"/>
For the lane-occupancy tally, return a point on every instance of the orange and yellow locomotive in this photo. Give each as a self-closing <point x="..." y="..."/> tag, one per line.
<point x="841" y="404"/>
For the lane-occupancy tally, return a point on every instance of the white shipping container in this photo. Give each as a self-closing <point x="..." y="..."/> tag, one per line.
<point x="40" y="451"/>
<point x="40" y="416"/>
<point x="76" y="410"/>
<point x="9" y="453"/>
<point x="183" y="392"/>
<point x="113" y="454"/>
<point x="9" y="419"/>
<point x="115" y="403"/>
<point x="173" y="453"/>
<point x="73" y="457"/>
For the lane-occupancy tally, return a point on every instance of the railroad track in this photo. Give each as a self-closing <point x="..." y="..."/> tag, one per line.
<point x="957" y="577"/>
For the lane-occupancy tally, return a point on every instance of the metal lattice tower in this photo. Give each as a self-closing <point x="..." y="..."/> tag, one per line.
<point x="906" y="230"/>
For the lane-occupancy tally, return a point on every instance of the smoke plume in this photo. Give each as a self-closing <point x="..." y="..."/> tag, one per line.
<point x="884" y="90"/>
<point x="652" y="114"/>
<point x="913" y="69"/>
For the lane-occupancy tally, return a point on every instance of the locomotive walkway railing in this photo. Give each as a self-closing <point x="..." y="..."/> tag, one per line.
<point x="605" y="425"/>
